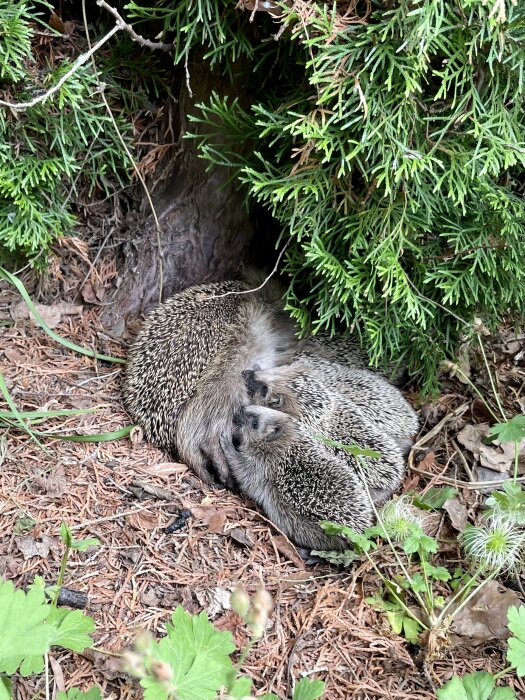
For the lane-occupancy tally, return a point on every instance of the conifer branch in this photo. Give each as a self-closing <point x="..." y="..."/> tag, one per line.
<point x="83" y="58"/>
<point x="155" y="45"/>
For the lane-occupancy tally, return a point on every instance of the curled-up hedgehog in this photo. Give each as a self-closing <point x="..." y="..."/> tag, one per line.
<point x="291" y="388"/>
<point x="309" y="392"/>
<point x="293" y="477"/>
<point x="183" y="379"/>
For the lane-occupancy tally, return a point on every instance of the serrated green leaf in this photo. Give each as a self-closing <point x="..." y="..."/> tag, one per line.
<point x="511" y="431"/>
<point x="474" y="686"/>
<point x="73" y="628"/>
<point x="503" y="694"/>
<point x="395" y="618"/>
<point x="479" y="685"/>
<point x="360" y="541"/>
<point x="198" y="654"/>
<point x="308" y="689"/>
<point x="241" y="688"/>
<point x="452" y="690"/>
<point x="268" y="696"/>
<point x="74" y="694"/>
<point x="345" y="558"/>
<point x="411" y="629"/>
<point x="5" y="688"/>
<point x="84" y="545"/>
<point x="511" y="501"/>
<point x="25" y="634"/>
<point x="516" y="650"/>
<point x="434" y="498"/>
<point x="351" y="449"/>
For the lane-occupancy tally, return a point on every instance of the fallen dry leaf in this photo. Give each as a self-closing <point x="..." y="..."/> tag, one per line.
<point x="457" y="512"/>
<point x="239" y="535"/>
<point x="212" y="517"/>
<point x="214" y="600"/>
<point x="163" y="469"/>
<point x="52" y="314"/>
<point x="14" y="356"/>
<point x="485" y="616"/>
<point x="53" y="485"/>
<point x="471" y="436"/>
<point x="289" y="551"/>
<point x="136" y="435"/>
<point x="58" y="676"/>
<point x="32" y="547"/>
<point x="143" y="520"/>
<point x="497" y="456"/>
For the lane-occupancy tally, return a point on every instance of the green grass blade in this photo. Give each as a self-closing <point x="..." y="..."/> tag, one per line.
<point x="102" y="437"/>
<point x="16" y="414"/>
<point x="38" y="318"/>
<point x="47" y="414"/>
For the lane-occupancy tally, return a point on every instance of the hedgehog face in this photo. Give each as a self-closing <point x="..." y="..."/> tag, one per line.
<point x="258" y="426"/>
<point x="267" y="388"/>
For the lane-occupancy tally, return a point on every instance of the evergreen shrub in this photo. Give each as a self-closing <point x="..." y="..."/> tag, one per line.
<point x="388" y="140"/>
<point x="65" y="148"/>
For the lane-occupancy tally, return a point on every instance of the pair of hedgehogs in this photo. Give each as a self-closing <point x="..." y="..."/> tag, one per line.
<point x="218" y="379"/>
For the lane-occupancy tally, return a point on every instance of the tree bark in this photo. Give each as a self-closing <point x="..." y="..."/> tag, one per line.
<point x="205" y="229"/>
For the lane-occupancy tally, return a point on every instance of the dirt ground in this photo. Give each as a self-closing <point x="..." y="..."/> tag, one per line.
<point x="126" y="494"/>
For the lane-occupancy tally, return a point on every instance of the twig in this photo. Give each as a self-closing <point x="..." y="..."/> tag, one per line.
<point x="76" y="65"/>
<point x="157" y="45"/>
<point x="265" y="281"/>
<point x="463" y="459"/>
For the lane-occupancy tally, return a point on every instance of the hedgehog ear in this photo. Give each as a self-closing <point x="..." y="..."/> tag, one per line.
<point x="253" y="385"/>
<point x="276" y="430"/>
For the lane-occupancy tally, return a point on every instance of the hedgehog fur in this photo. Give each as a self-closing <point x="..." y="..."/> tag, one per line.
<point x="294" y="478"/>
<point x="183" y="384"/>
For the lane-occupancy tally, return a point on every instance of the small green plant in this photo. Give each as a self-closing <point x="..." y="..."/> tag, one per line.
<point x="31" y="622"/>
<point x="482" y="685"/>
<point x="193" y="661"/>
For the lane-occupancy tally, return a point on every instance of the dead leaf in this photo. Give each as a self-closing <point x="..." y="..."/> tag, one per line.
<point x="32" y="547"/>
<point x="214" y="600"/>
<point x="53" y="485"/>
<point x="498" y="457"/>
<point x="211" y="517"/>
<point x="52" y="314"/>
<point x="110" y="668"/>
<point x="58" y="676"/>
<point x="14" y="356"/>
<point x="163" y="469"/>
<point x="457" y="512"/>
<point x="130" y="555"/>
<point x="153" y="490"/>
<point x="484" y="617"/>
<point x="9" y="566"/>
<point x="289" y="551"/>
<point x="143" y="520"/>
<point x="471" y="436"/>
<point x="150" y="599"/>
<point x="239" y="535"/>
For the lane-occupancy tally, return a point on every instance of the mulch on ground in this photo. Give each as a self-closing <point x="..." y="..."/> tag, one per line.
<point x="127" y="493"/>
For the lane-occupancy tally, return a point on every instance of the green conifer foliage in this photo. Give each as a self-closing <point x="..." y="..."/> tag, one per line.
<point x="65" y="145"/>
<point x="388" y="139"/>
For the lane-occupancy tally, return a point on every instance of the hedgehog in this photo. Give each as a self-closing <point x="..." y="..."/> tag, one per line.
<point x="381" y="403"/>
<point x="183" y="384"/>
<point x="309" y="391"/>
<point x="293" y="477"/>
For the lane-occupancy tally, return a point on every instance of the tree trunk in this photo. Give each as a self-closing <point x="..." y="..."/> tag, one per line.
<point x="205" y="229"/>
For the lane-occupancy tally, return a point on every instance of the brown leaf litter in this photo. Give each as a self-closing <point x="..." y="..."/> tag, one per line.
<point x="167" y="539"/>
